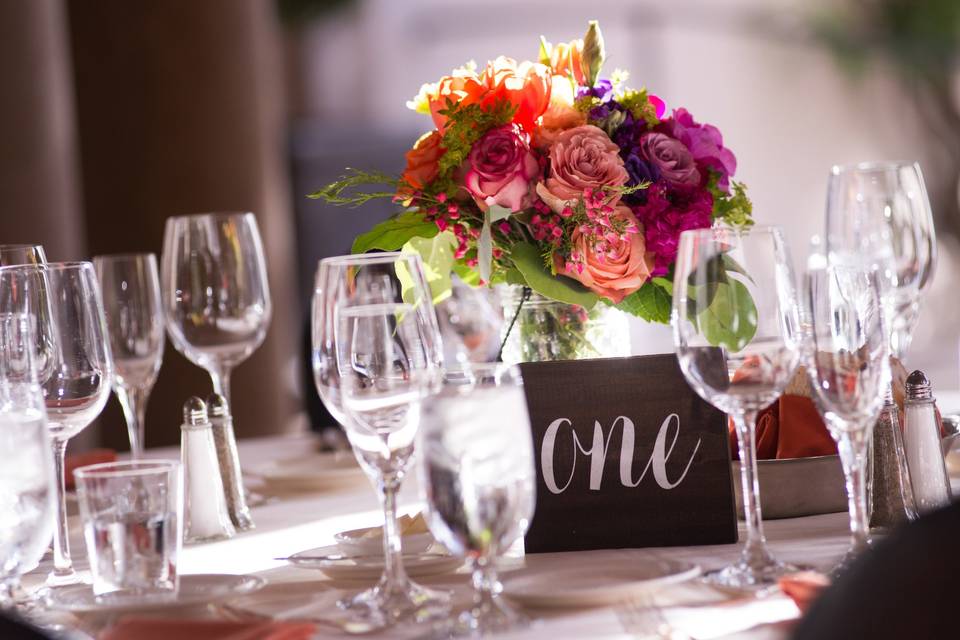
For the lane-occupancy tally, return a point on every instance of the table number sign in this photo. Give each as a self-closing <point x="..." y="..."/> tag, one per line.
<point x="627" y="455"/>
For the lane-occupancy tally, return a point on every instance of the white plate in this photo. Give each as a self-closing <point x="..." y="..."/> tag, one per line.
<point x="595" y="585"/>
<point x="198" y="589"/>
<point x="370" y="568"/>
<point x="312" y="472"/>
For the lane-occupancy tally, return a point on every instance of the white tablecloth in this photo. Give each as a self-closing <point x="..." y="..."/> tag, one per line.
<point x="294" y="522"/>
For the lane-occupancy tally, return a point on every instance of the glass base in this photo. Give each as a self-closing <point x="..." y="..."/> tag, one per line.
<point x="63" y="578"/>
<point x="487" y="618"/>
<point x="388" y="604"/>
<point x="751" y="577"/>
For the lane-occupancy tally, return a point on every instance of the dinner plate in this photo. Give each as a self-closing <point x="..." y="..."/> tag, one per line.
<point x="594" y="585"/>
<point x="197" y="589"/>
<point x="370" y="567"/>
<point x="312" y="472"/>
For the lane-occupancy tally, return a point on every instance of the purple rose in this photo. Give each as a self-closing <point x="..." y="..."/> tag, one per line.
<point x="705" y="144"/>
<point x="670" y="157"/>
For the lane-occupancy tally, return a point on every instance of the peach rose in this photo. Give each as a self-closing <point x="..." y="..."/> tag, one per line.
<point x="565" y="60"/>
<point x="423" y="160"/>
<point x="580" y="158"/>
<point x="612" y="267"/>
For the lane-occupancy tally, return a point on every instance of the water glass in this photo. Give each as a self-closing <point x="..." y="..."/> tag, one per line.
<point x="477" y="473"/>
<point x="132" y="515"/>
<point x="14" y="254"/>
<point x="131" y="301"/>
<point x="737" y="335"/>
<point x="26" y="475"/>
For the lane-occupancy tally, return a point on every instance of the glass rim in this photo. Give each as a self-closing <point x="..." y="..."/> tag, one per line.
<point x="384" y="256"/>
<point x="873" y="166"/>
<point x="211" y="214"/>
<point x="126" y="255"/>
<point x="50" y="266"/>
<point x="759" y="229"/>
<point x="20" y="245"/>
<point x="125" y="469"/>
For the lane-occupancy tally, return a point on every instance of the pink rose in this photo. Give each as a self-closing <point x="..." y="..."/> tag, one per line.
<point x="613" y="266"/>
<point x="500" y="169"/>
<point x="670" y="157"/>
<point x="581" y="158"/>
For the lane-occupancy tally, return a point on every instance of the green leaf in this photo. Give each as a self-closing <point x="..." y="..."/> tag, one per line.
<point x="469" y="275"/>
<point x="392" y="234"/>
<point x="543" y="56"/>
<point x="437" y="256"/>
<point x="591" y="59"/>
<point x="342" y="192"/>
<point x="731" y="319"/>
<point x="651" y="302"/>
<point x="526" y="257"/>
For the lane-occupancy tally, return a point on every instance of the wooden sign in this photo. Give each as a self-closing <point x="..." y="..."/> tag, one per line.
<point x="627" y="455"/>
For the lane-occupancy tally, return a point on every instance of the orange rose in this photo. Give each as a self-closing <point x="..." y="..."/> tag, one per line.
<point x="463" y="87"/>
<point x="527" y="86"/>
<point x="423" y="160"/>
<point x="565" y="60"/>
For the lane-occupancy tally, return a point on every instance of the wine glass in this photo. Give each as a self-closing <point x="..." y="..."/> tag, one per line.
<point x="13" y="254"/>
<point x="26" y="476"/>
<point x="377" y="353"/>
<point x="216" y="297"/>
<point x="880" y="212"/>
<point x="64" y="297"/>
<point x="737" y="335"/>
<point x="849" y="372"/>
<point x="478" y="476"/>
<point x="470" y="323"/>
<point x="131" y="300"/>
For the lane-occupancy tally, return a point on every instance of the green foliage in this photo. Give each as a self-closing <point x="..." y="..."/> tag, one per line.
<point x="651" y="302"/>
<point x="337" y="192"/>
<point x="529" y="263"/>
<point x="637" y="102"/>
<point x="734" y="208"/>
<point x="466" y="124"/>
<point x="392" y="234"/>
<point x="593" y="55"/>
<point x="730" y="320"/>
<point x="437" y="256"/>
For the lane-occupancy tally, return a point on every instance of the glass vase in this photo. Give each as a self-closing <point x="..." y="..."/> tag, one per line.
<point x="545" y="329"/>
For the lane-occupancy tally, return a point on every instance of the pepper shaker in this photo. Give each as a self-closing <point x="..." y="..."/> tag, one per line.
<point x="205" y="508"/>
<point x="921" y="441"/>
<point x="892" y="493"/>
<point x="222" y="424"/>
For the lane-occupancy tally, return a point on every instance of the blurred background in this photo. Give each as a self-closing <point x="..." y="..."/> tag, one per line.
<point x="118" y="114"/>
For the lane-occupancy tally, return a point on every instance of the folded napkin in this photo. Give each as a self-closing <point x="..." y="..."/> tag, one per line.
<point x="84" y="458"/>
<point x="804" y="587"/>
<point x="167" y="629"/>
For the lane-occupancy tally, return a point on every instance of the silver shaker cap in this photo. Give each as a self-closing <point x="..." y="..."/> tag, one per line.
<point x="194" y="411"/>
<point x="918" y="386"/>
<point x="217" y="406"/>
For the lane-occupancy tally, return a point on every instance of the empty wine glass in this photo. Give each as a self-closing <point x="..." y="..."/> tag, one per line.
<point x="63" y="298"/>
<point x="26" y="475"/>
<point x="849" y="372"/>
<point x="880" y="212"/>
<point x="377" y="353"/>
<point x="216" y="297"/>
<point x="737" y="337"/>
<point x="478" y="476"/>
<point x="13" y="254"/>
<point x="131" y="300"/>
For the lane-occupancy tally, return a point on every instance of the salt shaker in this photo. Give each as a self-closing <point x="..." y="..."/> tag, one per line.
<point x="921" y="442"/>
<point x="205" y="508"/>
<point x="222" y="424"/>
<point x="892" y="493"/>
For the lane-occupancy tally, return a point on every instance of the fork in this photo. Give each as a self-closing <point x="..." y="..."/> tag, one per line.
<point x="642" y="618"/>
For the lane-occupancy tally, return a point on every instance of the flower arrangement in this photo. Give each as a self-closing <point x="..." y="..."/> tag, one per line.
<point x="547" y="175"/>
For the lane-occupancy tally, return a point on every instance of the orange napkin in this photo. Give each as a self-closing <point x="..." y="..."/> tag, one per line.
<point x="804" y="587"/>
<point x="789" y="428"/>
<point x="77" y="460"/>
<point x="165" y="629"/>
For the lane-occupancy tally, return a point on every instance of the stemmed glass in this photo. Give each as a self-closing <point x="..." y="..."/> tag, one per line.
<point x="26" y="476"/>
<point x="216" y="298"/>
<point x="880" y="212"/>
<point x="376" y="354"/>
<point x="478" y="476"/>
<point x="131" y="299"/>
<point x="63" y="299"/>
<point x="13" y="254"/>
<point x="737" y="337"/>
<point x="849" y="372"/>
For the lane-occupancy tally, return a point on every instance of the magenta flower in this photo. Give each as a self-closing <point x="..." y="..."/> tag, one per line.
<point x="669" y="210"/>
<point x="500" y="169"/>
<point x="705" y="144"/>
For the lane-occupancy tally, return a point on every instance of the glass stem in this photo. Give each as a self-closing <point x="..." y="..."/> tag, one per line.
<point x="755" y="552"/>
<point x="393" y="572"/>
<point x="486" y="585"/>
<point x="853" y="448"/>
<point x="134" y="403"/>
<point x="62" y="564"/>
<point x="221" y="383"/>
